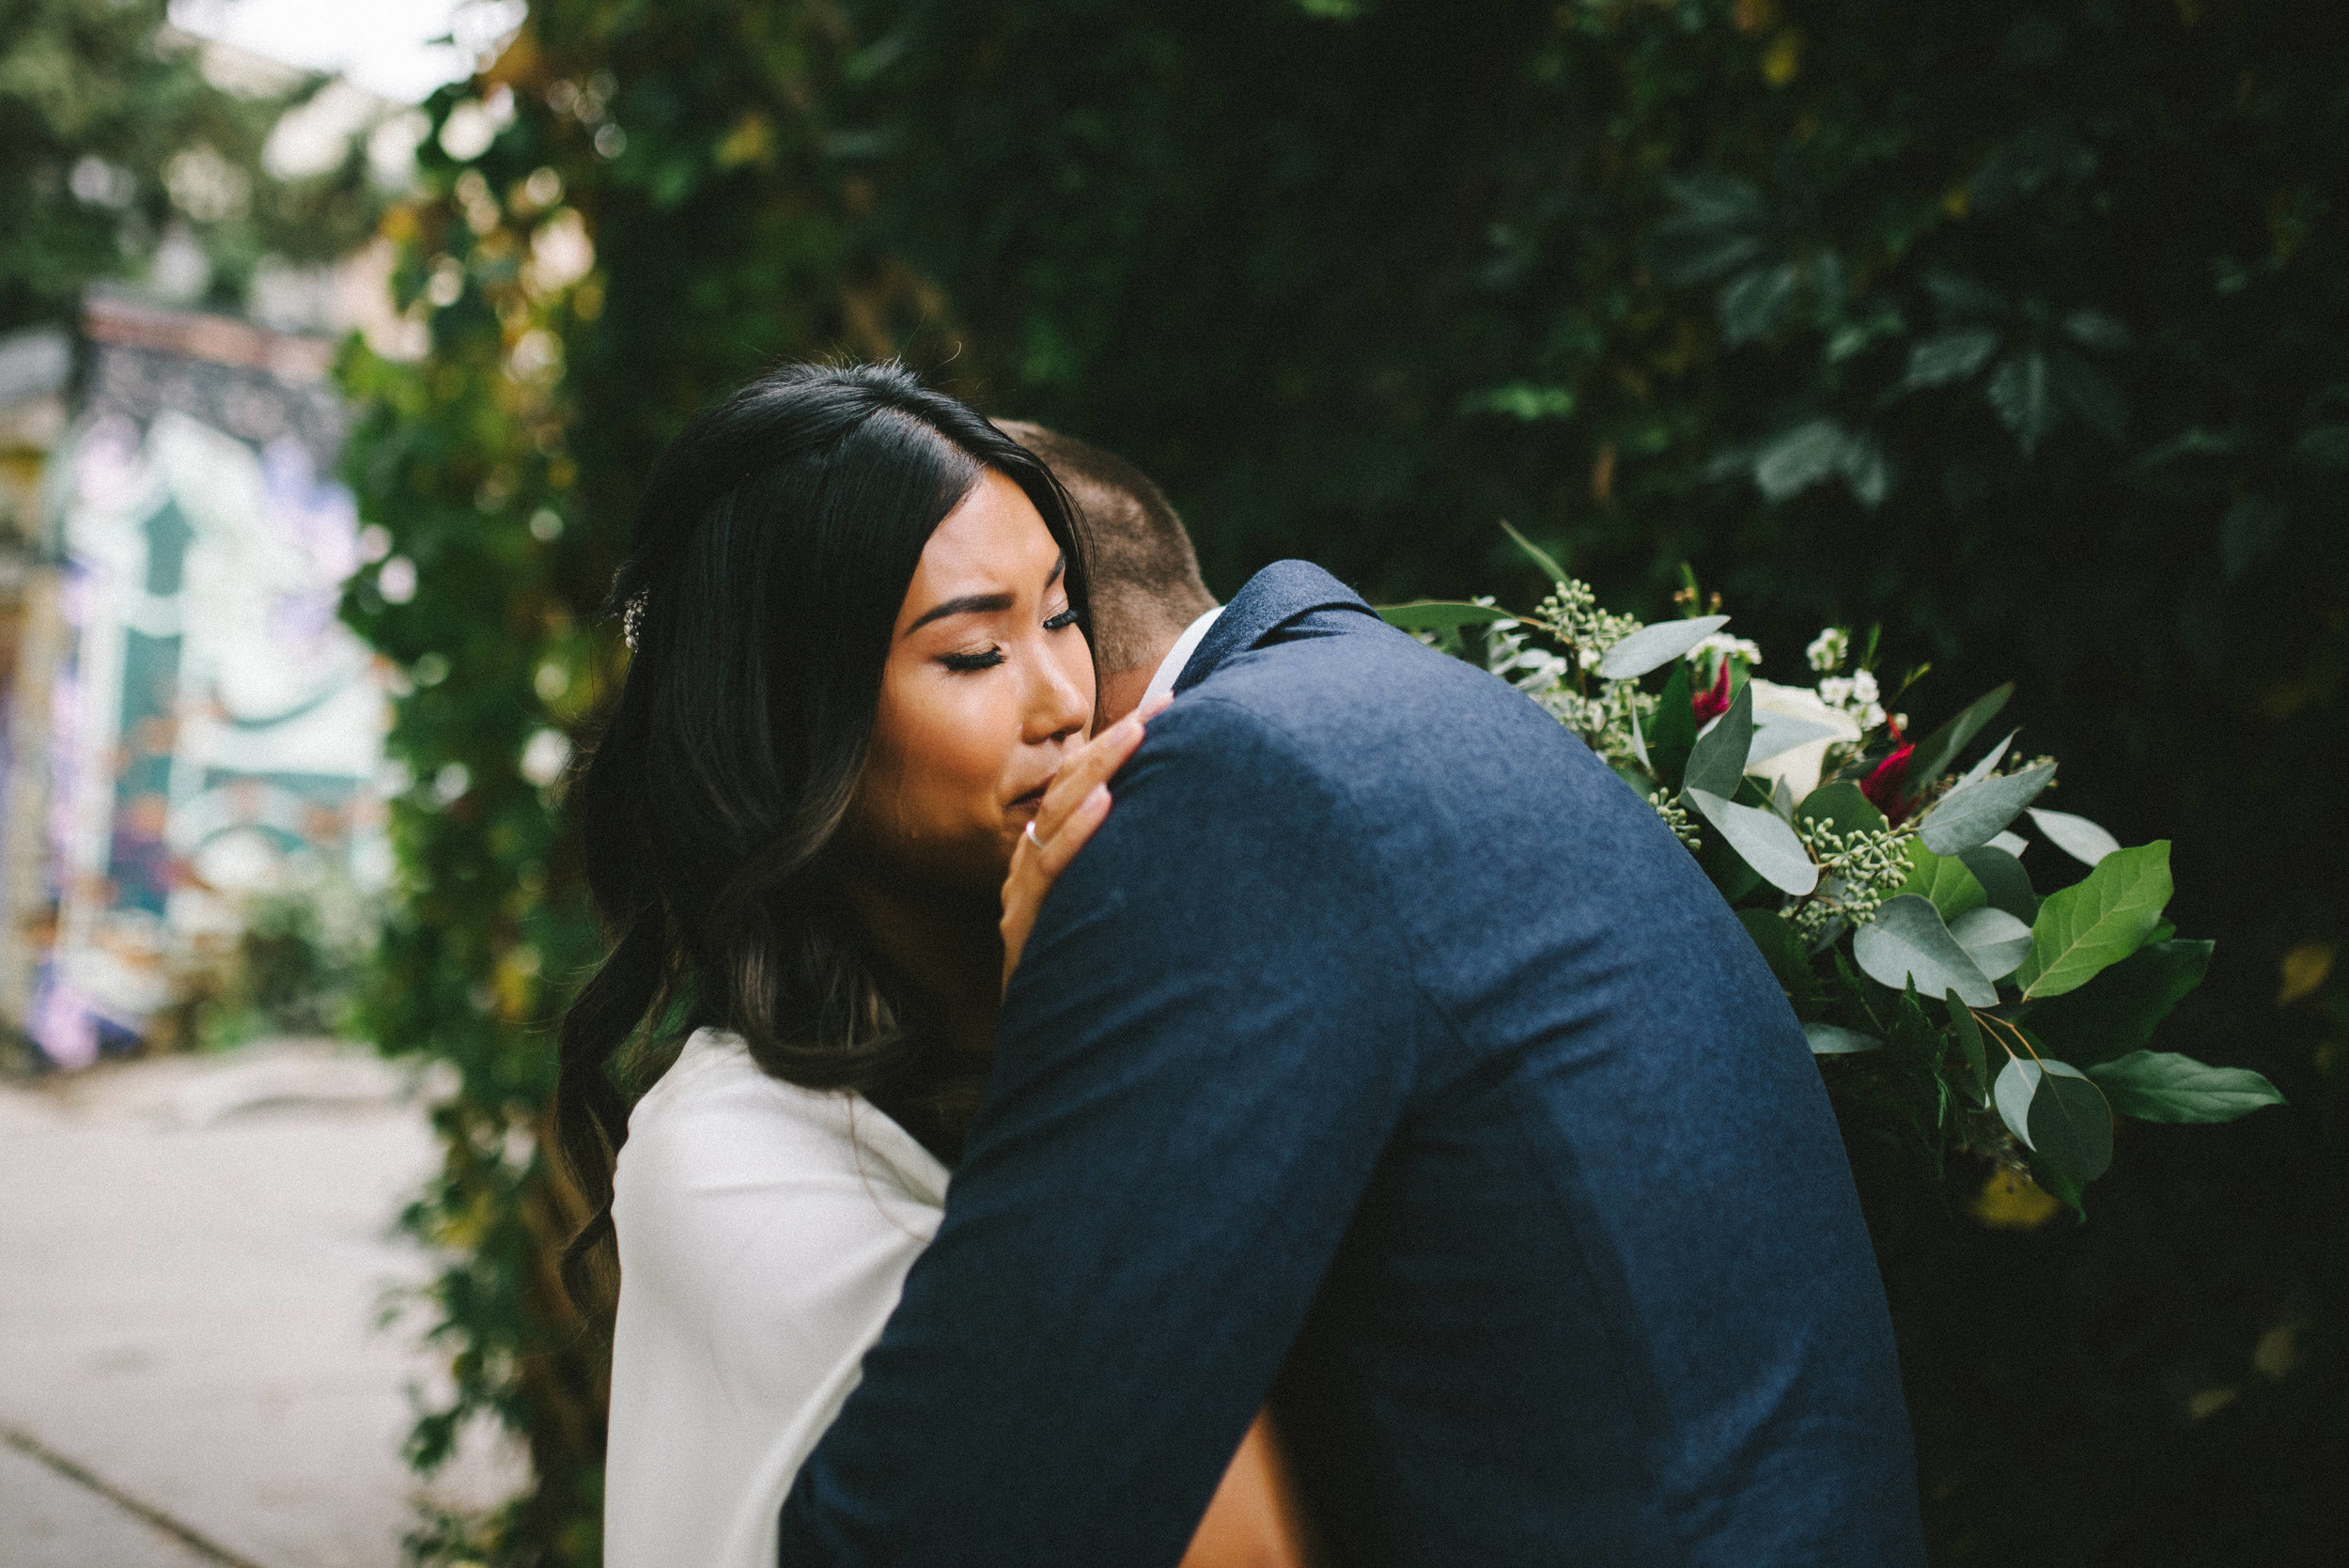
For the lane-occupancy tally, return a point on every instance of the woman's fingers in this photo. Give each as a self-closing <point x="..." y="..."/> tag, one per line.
<point x="1092" y="765"/>
<point x="1054" y="853"/>
<point x="1077" y="803"/>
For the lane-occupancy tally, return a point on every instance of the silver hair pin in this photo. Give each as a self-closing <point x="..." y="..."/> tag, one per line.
<point x="632" y="618"/>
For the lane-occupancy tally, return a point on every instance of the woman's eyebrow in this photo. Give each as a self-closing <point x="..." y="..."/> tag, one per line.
<point x="980" y="604"/>
<point x="969" y="604"/>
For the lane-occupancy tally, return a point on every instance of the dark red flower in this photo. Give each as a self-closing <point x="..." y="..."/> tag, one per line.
<point x="1882" y="786"/>
<point x="1710" y="704"/>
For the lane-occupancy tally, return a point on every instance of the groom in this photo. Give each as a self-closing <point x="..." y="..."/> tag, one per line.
<point x="1383" y="1056"/>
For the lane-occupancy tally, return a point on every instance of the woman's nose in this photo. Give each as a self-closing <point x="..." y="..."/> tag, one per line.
<point x="1058" y="707"/>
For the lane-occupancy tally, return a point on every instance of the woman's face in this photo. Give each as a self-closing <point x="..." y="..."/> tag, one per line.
<point x="988" y="683"/>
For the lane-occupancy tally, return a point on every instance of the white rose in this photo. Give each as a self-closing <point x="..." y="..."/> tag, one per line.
<point x="1799" y="764"/>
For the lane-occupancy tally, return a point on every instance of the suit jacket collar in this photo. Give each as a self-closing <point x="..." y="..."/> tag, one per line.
<point x="1269" y="600"/>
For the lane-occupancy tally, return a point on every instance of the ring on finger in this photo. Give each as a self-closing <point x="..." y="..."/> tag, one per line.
<point x="1031" y="832"/>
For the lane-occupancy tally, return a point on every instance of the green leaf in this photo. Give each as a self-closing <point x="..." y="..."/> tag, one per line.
<point x="1780" y="949"/>
<point x="2004" y="879"/>
<point x="1718" y="760"/>
<point x="1434" y="614"/>
<point x="1935" y="754"/>
<point x="1675" y="731"/>
<point x="1829" y="1039"/>
<point x="1994" y="940"/>
<point x="2019" y="395"/>
<point x="1841" y="807"/>
<point x="1541" y="557"/>
<point x="1972" y="814"/>
<point x="1949" y="356"/>
<point x="2163" y="1086"/>
<point x="2071" y="1124"/>
<point x="1652" y="647"/>
<point x="2060" y="1116"/>
<point x="1756" y="301"/>
<point x="1761" y="837"/>
<point x="2116" y="1012"/>
<point x="2076" y="836"/>
<point x="2095" y="924"/>
<point x="1969" y="1045"/>
<point x="1943" y="879"/>
<point x="1990" y="759"/>
<point x="1908" y="942"/>
<point x="2017" y="1082"/>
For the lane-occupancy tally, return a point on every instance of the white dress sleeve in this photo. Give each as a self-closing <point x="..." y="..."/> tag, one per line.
<point x="765" y="1231"/>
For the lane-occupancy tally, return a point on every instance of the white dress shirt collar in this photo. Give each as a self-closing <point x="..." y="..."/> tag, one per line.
<point x="1170" y="668"/>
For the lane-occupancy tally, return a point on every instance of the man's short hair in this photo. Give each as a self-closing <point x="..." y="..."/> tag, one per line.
<point x="1146" y="586"/>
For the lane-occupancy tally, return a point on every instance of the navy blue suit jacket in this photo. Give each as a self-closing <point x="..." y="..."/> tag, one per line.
<point x="1384" y="1043"/>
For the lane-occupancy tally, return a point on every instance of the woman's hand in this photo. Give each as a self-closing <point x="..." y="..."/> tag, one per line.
<point x="1075" y="804"/>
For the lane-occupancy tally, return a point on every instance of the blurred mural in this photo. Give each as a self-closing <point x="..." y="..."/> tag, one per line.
<point x="191" y="731"/>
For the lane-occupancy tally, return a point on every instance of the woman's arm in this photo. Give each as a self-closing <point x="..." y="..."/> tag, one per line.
<point x="1254" y="1520"/>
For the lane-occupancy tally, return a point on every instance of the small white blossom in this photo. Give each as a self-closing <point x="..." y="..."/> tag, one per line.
<point x="1863" y="686"/>
<point x="1828" y="649"/>
<point x="1835" y="691"/>
<point x="1733" y="648"/>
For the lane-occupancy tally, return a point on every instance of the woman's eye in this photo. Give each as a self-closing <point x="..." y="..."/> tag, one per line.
<point x="966" y="662"/>
<point x="1063" y="621"/>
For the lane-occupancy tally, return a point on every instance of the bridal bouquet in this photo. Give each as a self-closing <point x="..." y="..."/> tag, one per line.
<point x="1883" y="878"/>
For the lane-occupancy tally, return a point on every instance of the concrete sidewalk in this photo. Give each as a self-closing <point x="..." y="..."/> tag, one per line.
<point x="194" y="1253"/>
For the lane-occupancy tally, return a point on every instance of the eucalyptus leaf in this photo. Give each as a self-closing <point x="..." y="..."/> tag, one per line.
<point x="1908" y="941"/>
<point x="1935" y="754"/>
<point x="1718" y="761"/>
<point x="1829" y="1039"/>
<point x="1762" y="838"/>
<point x="2163" y="1086"/>
<point x="2096" y="923"/>
<point x="1436" y="614"/>
<point x="1995" y="941"/>
<point x="2117" y="1011"/>
<point x="2071" y="1123"/>
<point x="1972" y="814"/>
<point x="2076" y="836"/>
<point x="1944" y="879"/>
<point x="1990" y="759"/>
<point x="1783" y="797"/>
<point x="2004" y="879"/>
<point x="2018" y="1082"/>
<point x="1774" y="733"/>
<point x="2011" y="842"/>
<point x="1652" y="647"/>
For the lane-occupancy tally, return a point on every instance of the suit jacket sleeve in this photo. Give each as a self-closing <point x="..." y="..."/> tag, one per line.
<point x="1207" y="1045"/>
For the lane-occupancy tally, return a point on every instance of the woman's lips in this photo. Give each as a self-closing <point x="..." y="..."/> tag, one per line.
<point x="1028" y="804"/>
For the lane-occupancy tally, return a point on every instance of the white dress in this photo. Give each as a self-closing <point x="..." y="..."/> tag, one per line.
<point x="765" y="1231"/>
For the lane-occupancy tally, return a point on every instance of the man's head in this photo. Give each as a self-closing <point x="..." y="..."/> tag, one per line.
<point x="1145" y="576"/>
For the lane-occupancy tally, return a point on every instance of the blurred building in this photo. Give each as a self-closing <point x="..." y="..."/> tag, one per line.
<point x="190" y="727"/>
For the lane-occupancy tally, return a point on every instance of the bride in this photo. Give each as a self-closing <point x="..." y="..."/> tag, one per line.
<point x="818" y="826"/>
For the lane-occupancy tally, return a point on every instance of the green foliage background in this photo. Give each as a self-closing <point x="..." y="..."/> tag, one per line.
<point x="98" y="102"/>
<point x="2023" y="328"/>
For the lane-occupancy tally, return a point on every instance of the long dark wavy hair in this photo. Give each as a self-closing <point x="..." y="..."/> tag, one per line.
<point x="773" y="548"/>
